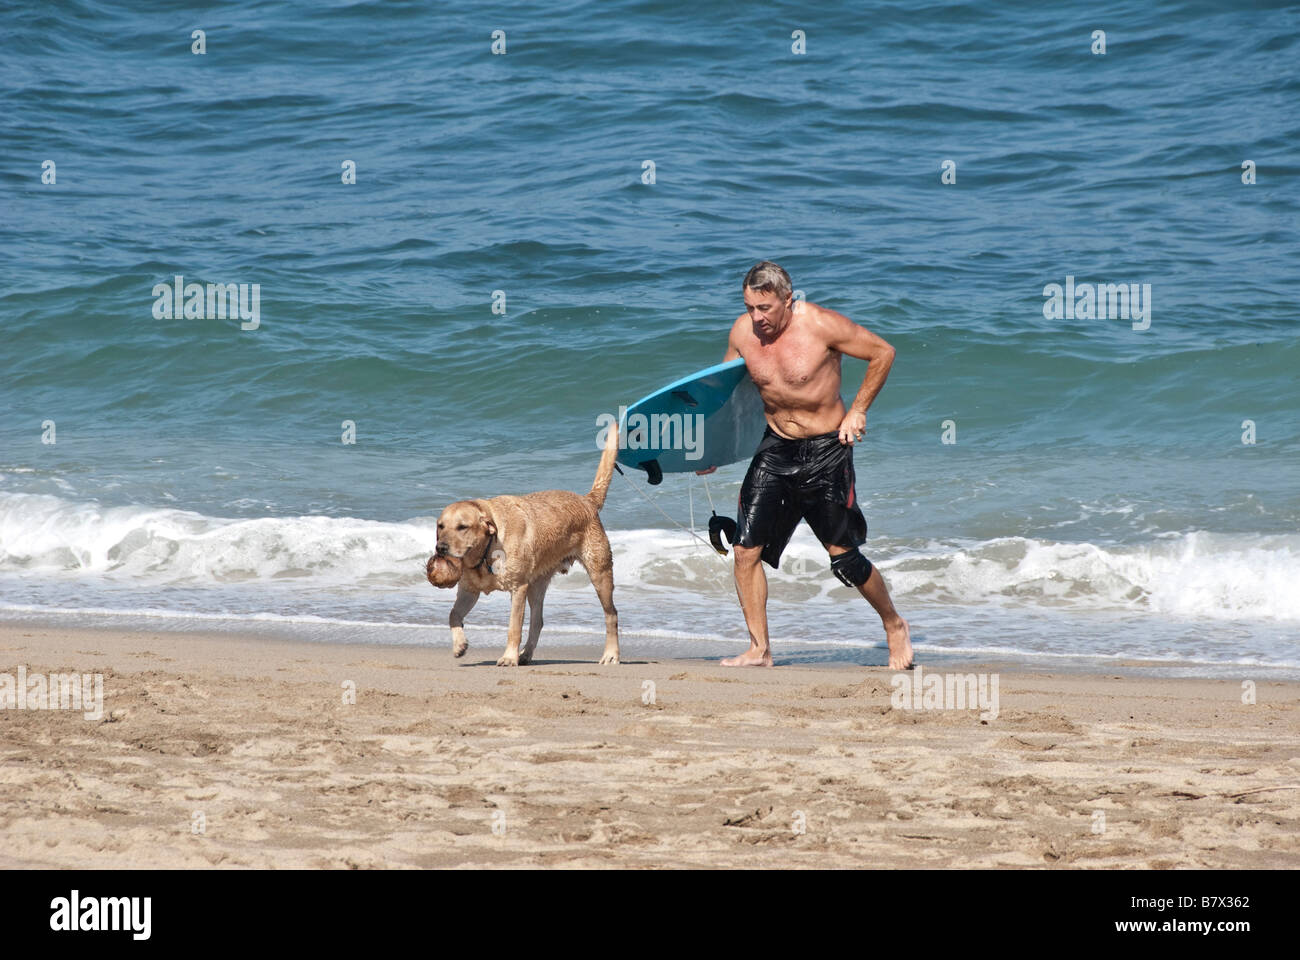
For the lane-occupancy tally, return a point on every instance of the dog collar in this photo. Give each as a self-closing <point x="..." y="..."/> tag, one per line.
<point x="487" y="550"/>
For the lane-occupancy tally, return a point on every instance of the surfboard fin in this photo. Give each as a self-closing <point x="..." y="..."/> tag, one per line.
<point x="655" y="471"/>
<point x="717" y="527"/>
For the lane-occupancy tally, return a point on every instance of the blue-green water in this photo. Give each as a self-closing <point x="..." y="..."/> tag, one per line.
<point x="1099" y="500"/>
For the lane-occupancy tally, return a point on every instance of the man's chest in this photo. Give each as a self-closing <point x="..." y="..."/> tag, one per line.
<point x="788" y="363"/>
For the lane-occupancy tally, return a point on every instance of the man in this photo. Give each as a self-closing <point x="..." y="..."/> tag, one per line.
<point x="803" y="468"/>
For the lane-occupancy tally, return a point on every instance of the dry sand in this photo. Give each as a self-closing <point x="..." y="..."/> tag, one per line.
<point x="446" y="763"/>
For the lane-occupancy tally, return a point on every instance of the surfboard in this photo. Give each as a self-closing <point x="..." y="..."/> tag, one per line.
<point x="709" y="419"/>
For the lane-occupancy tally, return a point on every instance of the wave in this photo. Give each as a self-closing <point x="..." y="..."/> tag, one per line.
<point x="1194" y="574"/>
<point x="43" y="533"/>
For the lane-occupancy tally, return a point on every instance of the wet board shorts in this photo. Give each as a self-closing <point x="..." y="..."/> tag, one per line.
<point x="791" y="480"/>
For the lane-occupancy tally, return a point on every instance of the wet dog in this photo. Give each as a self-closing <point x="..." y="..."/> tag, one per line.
<point x="518" y="544"/>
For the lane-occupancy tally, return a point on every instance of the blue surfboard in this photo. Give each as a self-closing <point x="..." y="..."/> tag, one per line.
<point x="709" y="419"/>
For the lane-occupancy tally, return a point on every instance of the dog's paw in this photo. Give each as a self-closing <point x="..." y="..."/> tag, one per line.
<point x="458" y="650"/>
<point x="525" y="659"/>
<point x="508" y="661"/>
<point x="609" y="658"/>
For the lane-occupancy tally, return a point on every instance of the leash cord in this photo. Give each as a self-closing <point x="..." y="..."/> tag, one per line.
<point x="675" y="523"/>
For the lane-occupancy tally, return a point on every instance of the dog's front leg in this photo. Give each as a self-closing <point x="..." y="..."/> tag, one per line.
<point x="516" y="632"/>
<point x="465" y="600"/>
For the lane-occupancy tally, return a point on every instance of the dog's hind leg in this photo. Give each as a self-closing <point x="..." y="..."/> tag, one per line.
<point x="599" y="561"/>
<point x="465" y="600"/>
<point x="515" y="632"/>
<point x="536" y="594"/>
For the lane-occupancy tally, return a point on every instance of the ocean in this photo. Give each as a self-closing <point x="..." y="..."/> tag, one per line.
<point x="464" y="233"/>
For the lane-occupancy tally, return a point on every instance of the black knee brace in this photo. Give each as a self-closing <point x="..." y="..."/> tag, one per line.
<point x="852" y="568"/>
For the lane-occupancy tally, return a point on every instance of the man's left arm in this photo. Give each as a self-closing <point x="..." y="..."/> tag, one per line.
<point x="857" y="341"/>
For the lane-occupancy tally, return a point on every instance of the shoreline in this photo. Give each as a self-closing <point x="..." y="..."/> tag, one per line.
<point x="436" y="635"/>
<point x="653" y="763"/>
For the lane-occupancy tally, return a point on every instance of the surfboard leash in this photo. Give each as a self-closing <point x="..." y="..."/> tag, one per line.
<point x="671" y="520"/>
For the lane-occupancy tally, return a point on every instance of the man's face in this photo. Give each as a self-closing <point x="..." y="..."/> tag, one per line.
<point x="767" y="310"/>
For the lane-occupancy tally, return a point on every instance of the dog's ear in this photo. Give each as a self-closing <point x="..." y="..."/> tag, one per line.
<point x="488" y="523"/>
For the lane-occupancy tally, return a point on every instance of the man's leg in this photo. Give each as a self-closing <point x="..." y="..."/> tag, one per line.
<point x="751" y="588"/>
<point x="897" y="632"/>
<point x="766" y="517"/>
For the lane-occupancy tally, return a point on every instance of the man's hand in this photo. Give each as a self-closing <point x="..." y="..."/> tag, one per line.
<point x="852" y="427"/>
<point x="700" y="473"/>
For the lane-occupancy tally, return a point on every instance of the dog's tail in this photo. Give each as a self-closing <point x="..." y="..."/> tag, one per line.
<point x="605" y="472"/>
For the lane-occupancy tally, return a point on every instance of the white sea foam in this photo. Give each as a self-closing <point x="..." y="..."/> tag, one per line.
<point x="1193" y="574"/>
<point x="46" y="534"/>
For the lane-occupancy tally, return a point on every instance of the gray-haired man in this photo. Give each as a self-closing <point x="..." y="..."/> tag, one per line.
<point x="803" y="468"/>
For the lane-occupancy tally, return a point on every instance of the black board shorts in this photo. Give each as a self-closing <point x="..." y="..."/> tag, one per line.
<point x="791" y="480"/>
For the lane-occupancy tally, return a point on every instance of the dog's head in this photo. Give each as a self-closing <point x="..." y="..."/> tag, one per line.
<point x="464" y="529"/>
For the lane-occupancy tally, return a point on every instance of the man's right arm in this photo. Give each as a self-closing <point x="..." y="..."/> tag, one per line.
<point x="732" y="354"/>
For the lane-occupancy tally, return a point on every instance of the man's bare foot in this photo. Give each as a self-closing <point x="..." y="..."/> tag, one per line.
<point x="900" y="645"/>
<point x="753" y="657"/>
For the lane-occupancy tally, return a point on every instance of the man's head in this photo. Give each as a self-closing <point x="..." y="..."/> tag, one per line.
<point x="768" y="297"/>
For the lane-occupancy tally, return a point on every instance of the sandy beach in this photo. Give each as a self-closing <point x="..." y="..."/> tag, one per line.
<point x="240" y="751"/>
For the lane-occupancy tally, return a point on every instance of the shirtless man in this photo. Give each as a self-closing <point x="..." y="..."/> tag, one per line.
<point x="803" y="468"/>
